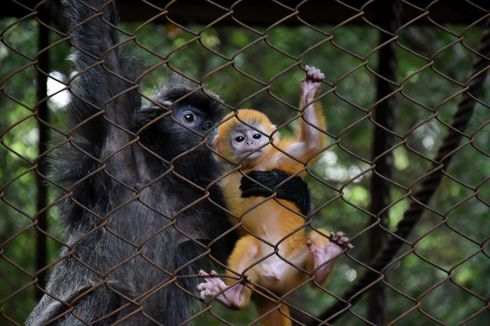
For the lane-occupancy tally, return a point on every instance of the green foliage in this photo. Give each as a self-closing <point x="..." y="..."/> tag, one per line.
<point x="252" y="69"/>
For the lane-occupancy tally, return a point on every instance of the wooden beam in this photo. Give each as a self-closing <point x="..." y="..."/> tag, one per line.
<point x="288" y="12"/>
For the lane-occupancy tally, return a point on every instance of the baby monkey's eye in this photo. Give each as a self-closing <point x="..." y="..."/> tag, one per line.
<point x="239" y="139"/>
<point x="257" y="136"/>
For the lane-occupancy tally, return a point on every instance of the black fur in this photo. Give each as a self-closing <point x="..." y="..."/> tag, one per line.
<point x="132" y="230"/>
<point x="137" y="215"/>
<point x="258" y="183"/>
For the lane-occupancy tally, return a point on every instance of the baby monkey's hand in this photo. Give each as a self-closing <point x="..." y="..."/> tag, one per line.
<point x="311" y="84"/>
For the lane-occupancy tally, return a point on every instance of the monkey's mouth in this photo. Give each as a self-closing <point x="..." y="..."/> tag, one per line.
<point x="251" y="154"/>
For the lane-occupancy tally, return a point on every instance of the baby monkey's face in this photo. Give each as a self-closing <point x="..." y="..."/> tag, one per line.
<point x="249" y="143"/>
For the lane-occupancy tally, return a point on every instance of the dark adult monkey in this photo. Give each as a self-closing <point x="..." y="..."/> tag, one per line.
<point x="136" y="212"/>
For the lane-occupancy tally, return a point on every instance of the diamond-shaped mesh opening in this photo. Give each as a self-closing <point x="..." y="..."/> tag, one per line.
<point x="114" y="205"/>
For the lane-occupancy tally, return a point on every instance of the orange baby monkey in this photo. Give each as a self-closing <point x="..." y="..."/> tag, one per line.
<point x="274" y="250"/>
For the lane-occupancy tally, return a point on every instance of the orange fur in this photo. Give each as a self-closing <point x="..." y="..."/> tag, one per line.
<point x="273" y="235"/>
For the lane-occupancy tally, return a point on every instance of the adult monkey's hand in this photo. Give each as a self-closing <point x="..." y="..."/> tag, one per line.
<point x="264" y="184"/>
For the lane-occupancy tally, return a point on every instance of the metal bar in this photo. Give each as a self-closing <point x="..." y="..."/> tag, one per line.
<point x="42" y="116"/>
<point x="388" y="13"/>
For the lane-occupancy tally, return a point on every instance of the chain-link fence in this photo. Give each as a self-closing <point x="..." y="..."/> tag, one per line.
<point x="124" y="211"/>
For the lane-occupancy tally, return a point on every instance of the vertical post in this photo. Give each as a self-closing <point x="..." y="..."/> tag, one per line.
<point x="387" y="13"/>
<point x="42" y="115"/>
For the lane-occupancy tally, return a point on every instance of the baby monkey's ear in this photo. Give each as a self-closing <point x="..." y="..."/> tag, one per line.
<point x="275" y="134"/>
<point x="214" y="139"/>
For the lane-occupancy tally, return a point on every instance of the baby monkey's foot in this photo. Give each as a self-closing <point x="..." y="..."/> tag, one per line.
<point x="311" y="84"/>
<point x="324" y="258"/>
<point x="213" y="286"/>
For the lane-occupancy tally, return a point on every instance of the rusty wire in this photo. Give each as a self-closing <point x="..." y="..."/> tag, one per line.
<point x="431" y="180"/>
<point x="374" y="265"/>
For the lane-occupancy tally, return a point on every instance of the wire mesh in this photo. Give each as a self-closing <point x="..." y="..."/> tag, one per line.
<point x="405" y="173"/>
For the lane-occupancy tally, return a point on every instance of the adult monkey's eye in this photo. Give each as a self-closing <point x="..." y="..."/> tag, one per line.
<point x="239" y="139"/>
<point x="189" y="117"/>
<point x="209" y="125"/>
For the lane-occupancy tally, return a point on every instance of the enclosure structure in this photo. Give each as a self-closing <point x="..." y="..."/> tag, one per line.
<point x="405" y="173"/>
